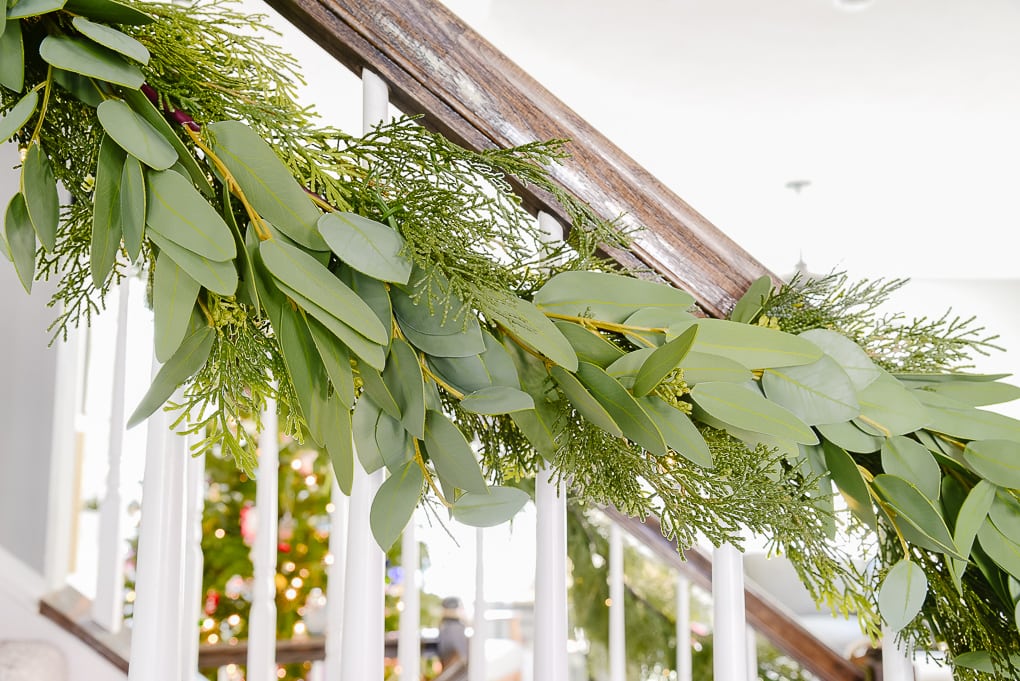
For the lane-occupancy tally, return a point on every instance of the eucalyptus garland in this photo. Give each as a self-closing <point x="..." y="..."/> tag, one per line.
<point x="394" y="298"/>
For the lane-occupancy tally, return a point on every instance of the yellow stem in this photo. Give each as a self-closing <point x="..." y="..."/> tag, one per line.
<point x="876" y="425"/>
<point x="439" y="381"/>
<point x="428" y="476"/>
<point x="888" y="511"/>
<point x="587" y="322"/>
<point x="48" y="85"/>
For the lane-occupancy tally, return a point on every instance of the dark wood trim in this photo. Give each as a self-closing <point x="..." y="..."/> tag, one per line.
<point x="471" y="92"/>
<point x="767" y="617"/>
<point x="73" y="612"/>
<point x="291" y="651"/>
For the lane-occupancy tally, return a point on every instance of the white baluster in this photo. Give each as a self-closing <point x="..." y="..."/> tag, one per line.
<point x="729" y="627"/>
<point x="193" y="560"/>
<point x="752" y="654"/>
<point x="550" y="578"/>
<point x="617" y="633"/>
<point x="896" y="665"/>
<point x="262" y="621"/>
<point x="477" y="662"/>
<point x="335" y="581"/>
<point x="108" y="606"/>
<point x="409" y="641"/>
<point x="684" y="671"/>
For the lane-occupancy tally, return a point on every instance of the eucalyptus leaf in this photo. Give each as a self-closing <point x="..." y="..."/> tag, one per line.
<point x="109" y="11"/>
<point x="902" y="594"/>
<point x="19" y="114"/>
<point x="539" y="432"/>
<point x="107" y="36"/>
<point x="1000" y="548"/>
<point x="755" y="347"/>
<point x="85" y="89"/>
<point x="702" y="367"/>
<point x="106" y="221"/>
<point x="173" y="299"/>
<point x="969" y="519"/>
<point x="584" y="402"/>
<point x="589" y="345"/>
<point x="451" y="455"/>
<point x="493" y="367"/>
<point x="39" y="186"/>
<point x="1005" y="513"/>
<point x="917" y="511"/>
<point x="267" y="183"/>
<point x="977" y="394"/>
<point x="339" y="443"/>
<point x="995" y="460"/>
<point x="335" y="359"/>
<point x="364" y="422"/>
<point x="488" y="510"/>
<point x="497" y="399"/>
<point x="138" y="137"/>
<point x="368" y="246"/>
<point x="663" y="361"/>
<point x="89" y="59"/>
<point x="820" y="392"/>
<point x="850" y="356"/>
<point x="19" y="236"/>
<point x="376" y="388"/>
<point x="435" y="335"/>
<point x="743" y="408"/>
<point x="972" y="424"/>
<point x="133" y="206"/>
<point x="951" y="377"/>
<point x="648" y="327"/>
<point x="678" y="431"/>
<point x="311" y="384"/>
<point x="850" y="437"/>
<point x="621" y="405"/>
<point x="912" y="461"/>
<point x="606" y="297"/>
<point x="218" y="277"/>
<point x="404" y="378"/>
<point x="12" y="57"/>
<point x="33" y="8"/>
<point x="185" y="363"/>
<point x="529" y="325"/>
<point x="374" y="292"/>
<point x="888" y="408"/>
<point x="394" y="504"/>
<point x="750" y="304"/>
<point x="851" y="483"/>
<point x="180" y="214"/>
<point x="301" y="272"/>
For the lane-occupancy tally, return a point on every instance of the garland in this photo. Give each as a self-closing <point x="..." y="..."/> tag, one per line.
<point x="391" y="292"/>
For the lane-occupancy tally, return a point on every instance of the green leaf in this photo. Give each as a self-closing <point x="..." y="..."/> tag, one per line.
<point x="335" y="359"/>
<point x="528" y="325"/>
<point x="339" y="443"/>
<point x="173" y="299"/>
<point x="19" y="114"/>
<point x="144" y="108"/>
<point x="755" y="347"/>
<point x="969" y="519"/>
<point x="488" y="510"/>
<point x="302" y="273"/>
<point x="977" y="394"/>
<point x="1005" y="513"/>
<point x="433" y="328"/>
<point x="996" y="460"/>
<point x="626" y="368"/>
<point x="39" y="187"/>
<point x="679" y="432"/>
<point x="621" y="405"/>
<point x="368" y="246"/>
<point x="376" y="388"/>
<point x="311" y="384"/>
<point x="641" y="323"/>
<point x="138" y="137"/>
<point x="912" y="461"/>
<point x="585" y="403"/>
<point x="887" y="408"/>
<point x="850" y="356"/>
<point x="33" y="8"/>
<point x="1000" y="548"/>
<point x="750" y="304"/>
<point x="702" y="367"/>
<point x="109" y="11"/>
<point x="113" y="39"/>
<point x="452" y="456"/>
<point x="12" y="57"/>
<point x="106" y="220"/>
<point x="404" y="378"/>
<point x="951" y="377"/>
<point x="736" y="405"/>
<point x="218" y="277"/>
<point x="817" y="393"/>
<point x="918" y="512"/>
<point x="493" y="367"/>
<point x="589" y="345"/>
<point x="394" y="504"/>
<point x="606" y="297"/>
<point x="133" y="206"/>
<point x="497" y="399"/>
<point x="374" y="292"/>
<point x="179" y="213"/>
<point x="20" y="238"/>
<point x="267" y="183"/>
<point x="364" y="423"/>
<point x="664" y="360"/>
<point x="85" y="89"/>
<point x="972" y="424"/>
<point x="89" y="59"/>
<point x="850" y="437"/>
<point x="851" y="483"/>
<point x="185" y="363"/>
<point x="902" y="594"/>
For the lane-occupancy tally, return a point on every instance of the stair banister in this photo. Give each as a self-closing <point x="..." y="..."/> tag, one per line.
<point x="550" y="577"/>
<point x="409" y="643"/>
<point x="729" y="629"/>
<point x="262" y="620"/>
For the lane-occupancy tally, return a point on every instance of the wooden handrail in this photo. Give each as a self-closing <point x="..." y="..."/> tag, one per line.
<point x="471" y="92"/>
<point x="771" y="621"/>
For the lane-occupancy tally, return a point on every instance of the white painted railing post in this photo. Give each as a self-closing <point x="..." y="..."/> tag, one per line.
<point x="335" y="581"/>
<point x="409" y="641"/>
<point x="477" y="662"/>
<point x="550" y="578"/>
<point x="193" y="559"/>
<point x="729" y="627"/>
<point x="617" y="632"/>
<point x="684" y="655"/>
<point x="262" y="621"/>
<point x="896" y="665"/>
<point x="752" y="654"/>
<point x="108" y="606"/>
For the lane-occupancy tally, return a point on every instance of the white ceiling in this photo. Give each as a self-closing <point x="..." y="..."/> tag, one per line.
<point x="905" y="118"/>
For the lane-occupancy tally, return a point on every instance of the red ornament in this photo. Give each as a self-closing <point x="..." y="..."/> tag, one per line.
<point x="212" y="601"/>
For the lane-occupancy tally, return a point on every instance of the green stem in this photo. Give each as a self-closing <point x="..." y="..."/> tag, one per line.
<point x="48" y="85"/>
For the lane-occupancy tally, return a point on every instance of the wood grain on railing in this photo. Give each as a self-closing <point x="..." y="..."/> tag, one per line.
<point x="471" y="92"/>
<point x="780" y="628"/>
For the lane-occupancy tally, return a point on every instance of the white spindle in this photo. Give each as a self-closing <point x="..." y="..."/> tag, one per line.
<point x="477" y="662"/>
<point x="752" y="654"/>
<point x="193" y="560"/>
<point x="684" y="660"/>
<point x="108" y="606"/>
<point x="550" y="578"/>
<point x="617" y="634"/>
<point x="335" y="582"/>
<point x="409" y="642"/>
<point x="896" y="665"/>
<point x="262" y="621"/>
<point x="729" y="627"/>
